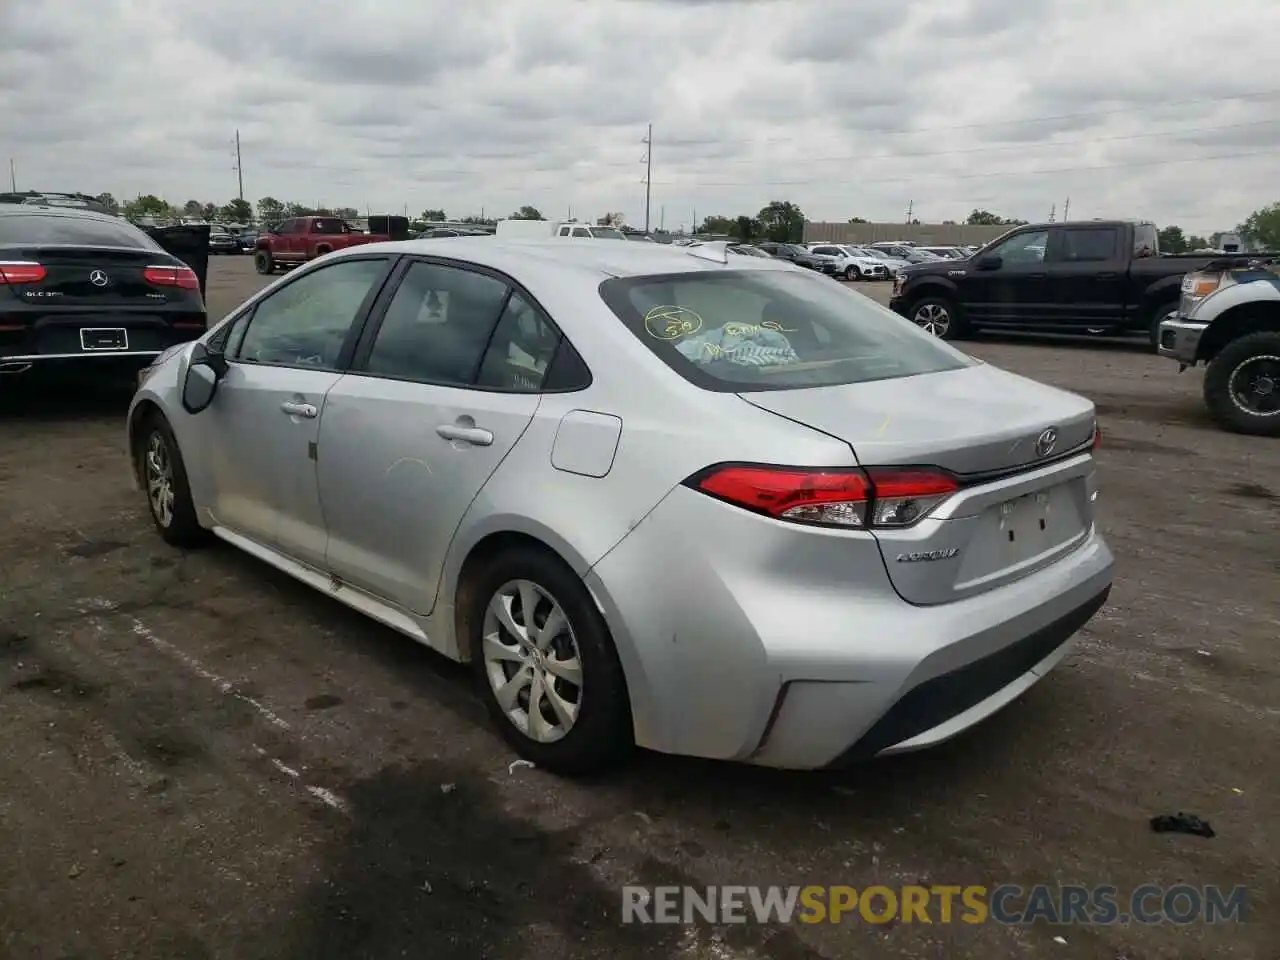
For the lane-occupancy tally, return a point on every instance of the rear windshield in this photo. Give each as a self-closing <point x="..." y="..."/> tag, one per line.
<point x="772" y="330"/>
<point x="37" y="229"/>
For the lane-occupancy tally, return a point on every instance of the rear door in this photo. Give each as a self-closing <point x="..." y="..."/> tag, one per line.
<point x="1087" y="273"/>
<point x="261" y="430"/>
<point x="444" y="384"/>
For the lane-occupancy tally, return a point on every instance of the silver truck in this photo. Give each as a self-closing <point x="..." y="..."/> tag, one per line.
<point x="1228" y="318"/>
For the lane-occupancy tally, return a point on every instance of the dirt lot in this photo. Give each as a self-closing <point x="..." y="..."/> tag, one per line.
<point x="202" y="759"/>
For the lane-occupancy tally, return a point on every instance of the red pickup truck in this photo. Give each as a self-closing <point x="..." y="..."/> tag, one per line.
<point x="296" y="241"/>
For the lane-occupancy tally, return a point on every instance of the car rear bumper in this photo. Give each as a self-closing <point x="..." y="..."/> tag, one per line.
<point x="1179" y="339"/>
<point x="786" y="646"/>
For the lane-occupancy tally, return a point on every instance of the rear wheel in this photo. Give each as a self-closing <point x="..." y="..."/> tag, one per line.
<point x="263" y="262"/>
<point x="1242" y="385"/>
<point x="852" y="272"/>
<point x="545" y="664"/>
<point x="938" y="316"/>
<point x="164" y="478"/>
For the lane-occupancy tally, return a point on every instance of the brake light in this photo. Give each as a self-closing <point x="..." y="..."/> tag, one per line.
<point x="1097" y="437"/>
<point x="21" y="271"/>
<point x="835" y="496"/>
<point x="163" y="275"/>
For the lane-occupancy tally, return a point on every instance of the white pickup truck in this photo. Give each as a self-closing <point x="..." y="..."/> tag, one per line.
<point x="539" y="229"/>
<point x="1229" y="318"/>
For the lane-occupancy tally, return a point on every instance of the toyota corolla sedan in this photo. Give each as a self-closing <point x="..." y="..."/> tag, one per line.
<point x="659" y="496"/>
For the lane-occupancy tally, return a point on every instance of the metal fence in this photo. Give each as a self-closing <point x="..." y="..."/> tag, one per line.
<point x="928" y="234"/>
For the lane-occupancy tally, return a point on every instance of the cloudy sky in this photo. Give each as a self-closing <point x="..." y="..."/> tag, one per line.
<point x="1153" y="108"/>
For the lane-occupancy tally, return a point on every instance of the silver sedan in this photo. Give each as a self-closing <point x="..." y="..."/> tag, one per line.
<point x="669" y="497"/>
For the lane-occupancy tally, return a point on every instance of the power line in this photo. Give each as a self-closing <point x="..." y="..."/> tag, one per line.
<point x="1257" y="95"/>
<point x="695" y="183"/>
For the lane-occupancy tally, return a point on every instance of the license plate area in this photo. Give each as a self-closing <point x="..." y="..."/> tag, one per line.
<point x="1018" y="535"/>
<point x="1028" y="525"/>
<point x="93" y="339"/>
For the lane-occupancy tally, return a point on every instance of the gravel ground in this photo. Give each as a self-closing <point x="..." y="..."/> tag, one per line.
<point x="204" y="759"/>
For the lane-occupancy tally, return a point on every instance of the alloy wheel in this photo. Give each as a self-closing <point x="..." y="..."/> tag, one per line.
<point x="532" y="660"/>
<point x="159" y="477"/>
<point x="1254" y="386"/>
<point x="933" y="318"/>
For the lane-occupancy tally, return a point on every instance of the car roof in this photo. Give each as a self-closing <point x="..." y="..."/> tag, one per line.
<point x="598" y="258"/>
<point x="41" y="210"/>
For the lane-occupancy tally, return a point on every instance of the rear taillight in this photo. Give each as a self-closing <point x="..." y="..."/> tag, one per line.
<point x="167" y="276"/>
<point x="1097" y="437"/>
<point x="21" y="271"/>
<point x="839" y="497"/>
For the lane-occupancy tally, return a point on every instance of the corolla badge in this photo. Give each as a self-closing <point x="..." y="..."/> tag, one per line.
<point x="98" y="278"/>
<point x="1046" y="442"/>
<point x="925" y="556"/>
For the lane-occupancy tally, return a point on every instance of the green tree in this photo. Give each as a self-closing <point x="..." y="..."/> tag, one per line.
<point x="478" y="221"/>
<point x="238" y="211"/>
<point x="433" y="215"/>
<point x="1172" y="240"/>
<point x="1262" y="227"/>
<point x="857" y="220"/>
<point x="782" y="221"/>
<point x="193" y="208"/>
<point x="747" y="228"/>
<point x="716" y="225"/>
<point x="527" y="213"/>
<point x="147" y="205"/>
<point x="108" y="201"/>
<point x="346" y="213"/>
<point x="270" y="210"/>
<point x="210" y="211"/>
<point x="1196" y="243"/>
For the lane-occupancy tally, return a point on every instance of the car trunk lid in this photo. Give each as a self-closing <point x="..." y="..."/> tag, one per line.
<point x="1020" y="453"/>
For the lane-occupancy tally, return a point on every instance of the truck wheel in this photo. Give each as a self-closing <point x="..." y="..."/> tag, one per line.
<point x="1159" y="313"/>
<point x="1242" y="385"/>
<point x="322" y="250"/>
<point x="938" y="316"/>
<point x="852" y="272"/>
<point x="263" y="262"/>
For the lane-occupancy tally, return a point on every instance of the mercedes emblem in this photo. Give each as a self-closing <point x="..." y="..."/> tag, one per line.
<point x="1046" y="442"/>
<point x="98" y="278"/>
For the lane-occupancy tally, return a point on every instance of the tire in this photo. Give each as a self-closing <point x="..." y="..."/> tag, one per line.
<point x="938" y="316"/>
<point x="156" y="448"/>
<point x="600" y="733"/>
<point x="1159" y="313"/>
<point x="322" y="250"/>
<point x="1255" y="357"/>
<point x="852" y="272"/>
<point x="263" y="262"/>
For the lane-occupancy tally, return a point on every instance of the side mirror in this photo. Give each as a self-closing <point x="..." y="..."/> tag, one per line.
<point x="990" y="263"/>
<point x="205" y="369"/>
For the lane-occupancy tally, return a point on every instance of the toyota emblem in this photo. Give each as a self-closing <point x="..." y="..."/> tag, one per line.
<point x="98" y="278"/>
<point x="1046" y="442"/>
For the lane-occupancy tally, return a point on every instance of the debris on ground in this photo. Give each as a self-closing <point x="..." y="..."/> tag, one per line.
<point x="1182" y="823"/>
<point x="511" y="767"/>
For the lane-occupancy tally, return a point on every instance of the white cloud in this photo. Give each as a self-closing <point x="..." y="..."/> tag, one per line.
<point x="845" y="107"/>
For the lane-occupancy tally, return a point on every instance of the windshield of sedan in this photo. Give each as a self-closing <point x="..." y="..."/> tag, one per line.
<point x="771" y="330"/>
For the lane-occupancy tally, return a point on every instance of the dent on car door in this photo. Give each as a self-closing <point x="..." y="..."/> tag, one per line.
<point x="445" y="382"/>
<point x="259" y="433"/>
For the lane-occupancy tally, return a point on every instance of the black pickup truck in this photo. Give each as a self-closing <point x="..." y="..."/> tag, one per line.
<point x="1093" y="276"/>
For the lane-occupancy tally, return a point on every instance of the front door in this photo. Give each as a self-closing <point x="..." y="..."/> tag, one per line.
<point x="1017" y="292"/>
<point x="264" y="422"/>
<point x="408" y="441"/>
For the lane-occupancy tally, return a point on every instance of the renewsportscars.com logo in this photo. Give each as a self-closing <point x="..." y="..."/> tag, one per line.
<point x="1007" y="904"/>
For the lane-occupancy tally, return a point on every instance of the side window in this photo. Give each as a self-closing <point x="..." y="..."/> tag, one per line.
<point x="228" y="336"/>
<point x="437" y="325"/>
<point x="1081" y="246"/>
<point x="564" y="231"/>
<point x="1146" y="241"/>
<point x="581" y="232"/>
<point x="827" y="251"/>
<point x="305" y="323"/>
<point x="1024" y="248"/>
<point x="522" y="347"/>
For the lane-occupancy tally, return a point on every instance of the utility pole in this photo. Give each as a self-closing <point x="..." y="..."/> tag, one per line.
<point x="1053" y="212"/>
<point x="1065" y="207"/>
<point x="13" y="177"/>
<point x="662" y="219"/>
<point x="648" y="175"/>
<point x="910" y="206"/>
<point x="694" y="228"/>
<point x="239" y="166"/>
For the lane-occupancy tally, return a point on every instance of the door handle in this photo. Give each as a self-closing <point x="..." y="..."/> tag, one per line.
<point x="295" y="408"/>
<point x="472" y="435"/>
